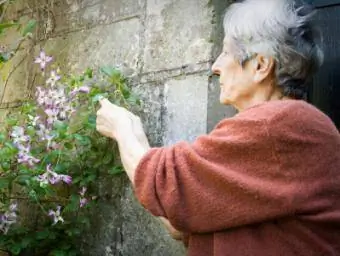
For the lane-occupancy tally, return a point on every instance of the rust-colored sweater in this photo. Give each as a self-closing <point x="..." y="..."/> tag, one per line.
<point x="263" y="183"/>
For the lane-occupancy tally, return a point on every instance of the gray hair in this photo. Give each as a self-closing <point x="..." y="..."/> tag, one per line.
<point x="281" y="29"/>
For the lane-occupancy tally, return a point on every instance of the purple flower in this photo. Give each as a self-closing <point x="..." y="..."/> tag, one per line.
<point x="82" y="202"/>
<point x="52" y="115"/>
<point x="54" y="179"/>
<point x="43" y="59"/>
<point x="33" y="120"/>
<point x="82" y="191"/>
<point x="56" y="215"/>
<point x="22" y="143"/>
<point x="52" y="80"/>
<point x="51" y="177"/>
<point x="66" y="178"/>
<point x="24" y="158"/>
<point x="18" y="135"/>
<point x="42" y="179"/>
<point x="84" y="89"/>
<point x="13" y="207"/>
<point x="8" y="218"/>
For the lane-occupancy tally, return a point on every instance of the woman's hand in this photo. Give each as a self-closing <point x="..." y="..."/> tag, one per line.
<point x="120" y="124"/>
<point x="175" y="234"/>
<point x="113" y="120"/>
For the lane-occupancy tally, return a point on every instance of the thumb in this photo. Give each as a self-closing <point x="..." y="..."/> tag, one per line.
<point x="104" y="101"/>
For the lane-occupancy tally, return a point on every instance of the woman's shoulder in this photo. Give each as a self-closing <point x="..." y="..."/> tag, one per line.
<point x="286" y="115"/>
<point x="296" y="116"/>
<point x="289" y="110"/>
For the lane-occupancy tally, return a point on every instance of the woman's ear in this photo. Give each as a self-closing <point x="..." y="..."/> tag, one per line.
<point x="263" y="68"/>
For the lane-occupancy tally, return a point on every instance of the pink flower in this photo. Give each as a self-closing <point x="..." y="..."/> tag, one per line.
<point x="43" y="59"/>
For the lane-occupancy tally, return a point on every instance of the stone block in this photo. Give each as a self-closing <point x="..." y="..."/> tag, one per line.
<point x="100" y="46"/>
<point x="3" y="113"/>
<point x="186" y="101"/>
<point x="11" y="37"/>
<point x="104" y="236"/>
<point x="177" y="33"/>
<point x="87" y="14"/>
<point x="151" y="111"/>
<point x="15" y="77"/>
<point x="143" y="234"/>
<point x="18" y="8"/>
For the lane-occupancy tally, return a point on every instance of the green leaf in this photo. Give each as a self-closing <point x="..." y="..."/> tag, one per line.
<point x="4" y="183"/>
<point x="68" y="145"/>
<point x="30" y="26"/>
<point x="26" y="241"/>
<point x="76" y="180"/>
<point x="73" y="205"/>
<point x="91" y="122"/>
<point x="2" y="138"/>
<point x="33" y="195"/>
<point x="58" y="253"/>
<point x="89" y="72"/>
<point x="16" y="249"/>
<point x="116" y="170"/>
<point x="23" y="180"/>
<point x="60" y="168"/>
<point x="41" y="235"/>
<point x="98" y="97"/>
<point x="82" y="140"/>
<point x="133" y="100"/>
<point x="3" y="26"/>
<point x="110" y="71"/>
<point x="5" y="56"/>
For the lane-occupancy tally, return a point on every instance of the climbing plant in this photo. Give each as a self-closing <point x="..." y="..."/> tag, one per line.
<point x="51" y="157"/>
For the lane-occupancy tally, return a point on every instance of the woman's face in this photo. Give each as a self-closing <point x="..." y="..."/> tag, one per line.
<point x="236" y="81"/>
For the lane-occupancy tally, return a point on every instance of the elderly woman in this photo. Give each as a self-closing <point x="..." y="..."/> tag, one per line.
<point x="264" y="182"/>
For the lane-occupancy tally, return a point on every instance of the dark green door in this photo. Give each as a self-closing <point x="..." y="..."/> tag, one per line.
<point x="325" y="91"/>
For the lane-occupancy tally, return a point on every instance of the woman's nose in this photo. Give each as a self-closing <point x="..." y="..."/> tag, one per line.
<point x="215" y="67"/>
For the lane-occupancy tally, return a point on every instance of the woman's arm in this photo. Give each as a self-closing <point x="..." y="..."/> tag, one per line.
<point x="132" y="142"/>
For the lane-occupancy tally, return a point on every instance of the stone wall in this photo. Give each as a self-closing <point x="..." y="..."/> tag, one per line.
<point x="166" y="48"/>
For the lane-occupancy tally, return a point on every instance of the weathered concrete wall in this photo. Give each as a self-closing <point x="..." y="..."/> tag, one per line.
<point x="166" y="47"/>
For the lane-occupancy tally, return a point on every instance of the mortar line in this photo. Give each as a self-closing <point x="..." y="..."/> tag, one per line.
<point x="155" y="81"/>
<point x="183" y="67"/>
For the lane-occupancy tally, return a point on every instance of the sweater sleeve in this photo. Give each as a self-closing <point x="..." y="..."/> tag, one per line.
<point x="225" y="179"/>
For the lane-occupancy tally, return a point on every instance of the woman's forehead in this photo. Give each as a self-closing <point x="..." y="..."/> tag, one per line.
<point x="226" y="43"/>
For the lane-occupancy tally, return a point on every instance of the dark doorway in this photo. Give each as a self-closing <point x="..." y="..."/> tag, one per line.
<point x="325" y="88"/>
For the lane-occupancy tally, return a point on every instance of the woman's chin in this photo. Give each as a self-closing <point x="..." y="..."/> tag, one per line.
<point x="224" y="101"/>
